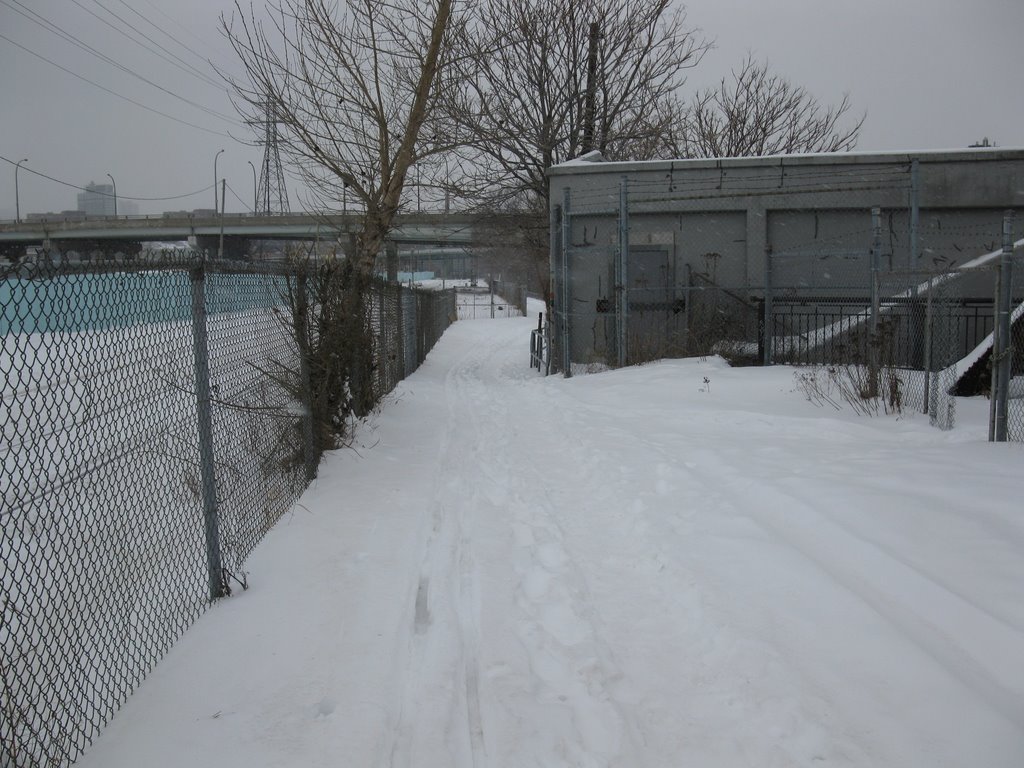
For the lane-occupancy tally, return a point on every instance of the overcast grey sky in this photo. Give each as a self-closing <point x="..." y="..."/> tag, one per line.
<point x="931" y="74"/>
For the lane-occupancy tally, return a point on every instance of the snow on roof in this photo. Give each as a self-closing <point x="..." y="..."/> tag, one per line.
<point x="596" y="162"/>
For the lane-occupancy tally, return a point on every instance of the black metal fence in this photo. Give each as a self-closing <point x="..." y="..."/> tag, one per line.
<point x="149" y="442"/>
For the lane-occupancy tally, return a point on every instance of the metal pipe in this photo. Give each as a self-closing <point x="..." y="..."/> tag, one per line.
<point x="915" y="217"/>
<point x="223" y="191"/>
<point x="622" y="278"/>
<point x="565" y="293"/>
<point x="207" y="465"/>
<point x="1002" y="351"/>
<point x="874" y="342"/>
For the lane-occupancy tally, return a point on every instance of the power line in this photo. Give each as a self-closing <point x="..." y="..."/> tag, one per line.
<point x="26" y="169"/>
<point x="190" y="32"/>
<point x="114" y="93"/>
<point x="167" y="34"/>
<point x="245" y="204"/>
<point x="181" y="63"/>
<point x="68" y="37"/>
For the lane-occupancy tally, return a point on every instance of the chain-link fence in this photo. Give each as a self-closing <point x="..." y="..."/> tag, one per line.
<point x="1014" y="387"/>
<point x="1007" y="348"/>
<point x="512" y="294"/>
<point x="497" y="299"/>
<point x="787" y="265"/>
<point x="152" y="434"/>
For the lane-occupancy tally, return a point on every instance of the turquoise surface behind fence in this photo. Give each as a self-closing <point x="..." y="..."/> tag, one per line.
<point x="76" y="302"/>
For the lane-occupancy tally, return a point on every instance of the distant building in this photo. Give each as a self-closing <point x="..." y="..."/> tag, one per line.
<point x="97" y="199"/>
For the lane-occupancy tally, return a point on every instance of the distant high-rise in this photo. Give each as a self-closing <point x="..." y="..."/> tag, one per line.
<point x="97" y="199"/>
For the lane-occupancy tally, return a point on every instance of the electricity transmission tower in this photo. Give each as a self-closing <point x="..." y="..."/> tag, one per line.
<point x="272" y="196"/>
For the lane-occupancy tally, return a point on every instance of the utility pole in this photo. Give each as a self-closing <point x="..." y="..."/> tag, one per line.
<point x="215" y="180"/>
<point x="17" y="199"/>
<point x="113" y="184"/>
<point x="255" y="193"/>
<point x="223" y="190"/>
<point x="590" y="105"/>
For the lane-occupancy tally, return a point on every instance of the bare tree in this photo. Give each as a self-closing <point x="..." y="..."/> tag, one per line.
<point x="525" y="107"/>
<point x="525" y="104"/>
<point x="760" y="113"/>
<point x="351" y="86"/>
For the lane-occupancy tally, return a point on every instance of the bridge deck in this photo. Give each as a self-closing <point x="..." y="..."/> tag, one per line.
<point x="413" y="228"/>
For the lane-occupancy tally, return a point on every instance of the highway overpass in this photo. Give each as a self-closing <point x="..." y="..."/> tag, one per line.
<point x="435" y="229"/>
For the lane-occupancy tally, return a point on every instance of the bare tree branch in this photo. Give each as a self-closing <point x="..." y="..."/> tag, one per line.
<point x="351" y="86"/>
<point x="757" y="112"/>
<point x="523" y="106"/>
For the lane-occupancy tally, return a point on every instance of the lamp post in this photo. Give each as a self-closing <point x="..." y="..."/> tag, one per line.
<point x="17" y="204"/>
<point x="114" y="185"/>
<point x="255" y="195"/>
<point x="215" y="180"/>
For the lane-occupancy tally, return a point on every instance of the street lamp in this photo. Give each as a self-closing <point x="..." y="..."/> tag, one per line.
<point x="114" y="185"/>
<point x="215" y="180"/>
<point x="17" y="204"/>
<point x="255" y="196"/>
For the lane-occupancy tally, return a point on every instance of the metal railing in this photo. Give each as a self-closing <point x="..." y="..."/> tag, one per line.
<point x="540" y="346"/>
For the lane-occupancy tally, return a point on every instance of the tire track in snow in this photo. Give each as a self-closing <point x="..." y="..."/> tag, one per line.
<point x="557" y="625"/>
<point x="441" y="629"/>
<point x="920" y="608"/>
<point x="901" y="602"/>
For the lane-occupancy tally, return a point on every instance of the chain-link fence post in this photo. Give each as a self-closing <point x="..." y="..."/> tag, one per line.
<point x="767" y="318"/>
<point x="915" y="217"/>
<point x="208" y="479"/>
<point x="554" y="243"/>
<point x="401" y="323"/>
<point x="309" y="449"/>
<point x="874" y="342"/>
<point x="1002" y="349"/>
<point x="566" y="242"/>
<point x="930" y="380"/>
<point x="621" y="295"/>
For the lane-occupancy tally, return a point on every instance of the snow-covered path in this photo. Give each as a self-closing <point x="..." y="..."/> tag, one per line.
<point x="676" y="565"/>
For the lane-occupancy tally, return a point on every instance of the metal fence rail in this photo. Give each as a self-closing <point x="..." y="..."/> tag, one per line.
<point x="148" y="445"/>
<point x="1015" y="351"/>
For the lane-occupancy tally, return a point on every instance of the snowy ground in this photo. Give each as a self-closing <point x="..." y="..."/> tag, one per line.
<point x="680" y="564"/>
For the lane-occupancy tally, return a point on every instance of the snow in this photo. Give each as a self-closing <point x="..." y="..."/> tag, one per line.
<point x="675" y="564"/>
